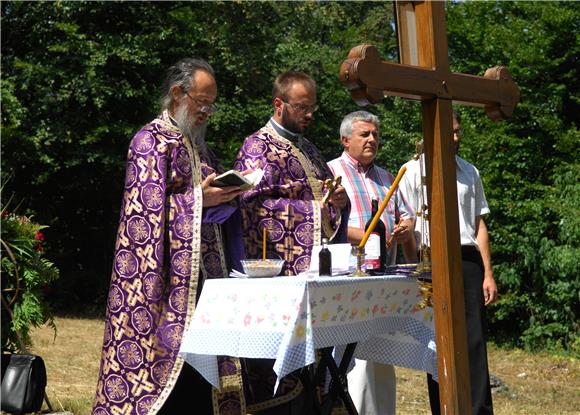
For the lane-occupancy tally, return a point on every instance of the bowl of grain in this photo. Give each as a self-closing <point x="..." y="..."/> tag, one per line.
<point x="262" y="268"/>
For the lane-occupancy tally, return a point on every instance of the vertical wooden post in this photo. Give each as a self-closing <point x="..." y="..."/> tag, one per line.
<point x="449" y="308"/>
<point x="448" y="302"/>
<point x="407" y="32"/>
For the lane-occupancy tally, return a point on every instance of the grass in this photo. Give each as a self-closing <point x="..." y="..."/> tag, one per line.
<point x="72" y="361"/>
<point x="537" y="383"/>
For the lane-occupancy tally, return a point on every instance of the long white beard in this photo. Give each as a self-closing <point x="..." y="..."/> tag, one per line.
<point x="186" y="123"/>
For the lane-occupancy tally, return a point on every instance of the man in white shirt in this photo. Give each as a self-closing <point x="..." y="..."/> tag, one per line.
<point x="479" y="285"/>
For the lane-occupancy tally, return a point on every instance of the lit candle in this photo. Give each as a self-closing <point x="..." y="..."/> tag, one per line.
<point x="264" y="245"/>
<point x="382" y="207"/>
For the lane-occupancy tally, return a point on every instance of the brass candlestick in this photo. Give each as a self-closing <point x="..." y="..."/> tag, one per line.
<point x="426" y="290"/>
<point x="361" y="246"/>
<point x="423" y="269"/>
<point x="425" y="283"/>
<point x="360" y="259"/>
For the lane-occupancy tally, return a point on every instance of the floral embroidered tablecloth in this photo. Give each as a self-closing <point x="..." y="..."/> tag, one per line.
<point x="288" y="318"/>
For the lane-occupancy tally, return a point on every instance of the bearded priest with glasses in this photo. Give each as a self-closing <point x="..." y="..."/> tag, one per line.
<point x="175" y="232"/>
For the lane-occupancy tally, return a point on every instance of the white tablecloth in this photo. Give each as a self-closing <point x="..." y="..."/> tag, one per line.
<point x="287" y="318"/>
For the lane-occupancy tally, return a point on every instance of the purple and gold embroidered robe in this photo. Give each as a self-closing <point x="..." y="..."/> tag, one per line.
<point x="165" y="248"/>
<point x="287" y="201"/>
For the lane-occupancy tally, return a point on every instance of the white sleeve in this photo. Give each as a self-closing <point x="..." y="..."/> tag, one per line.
<point x="410" y="186"/>
<point x="481" y="207"/>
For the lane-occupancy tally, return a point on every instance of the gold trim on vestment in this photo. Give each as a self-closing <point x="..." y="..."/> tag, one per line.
<point x="218" y="234"/>
<point x="196" y="180"/>
<point x="232" y="383"/>
<point x="329" y="231"/>
<point x="271" y="403"/>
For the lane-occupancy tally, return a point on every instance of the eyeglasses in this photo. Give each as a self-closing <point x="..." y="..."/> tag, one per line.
<point x="208" y="109"/>
<point x="303" y="109"/>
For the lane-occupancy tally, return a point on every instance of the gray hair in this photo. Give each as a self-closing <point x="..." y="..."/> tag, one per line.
<point x="347" y="121"/>
<point x="182" y="75"/>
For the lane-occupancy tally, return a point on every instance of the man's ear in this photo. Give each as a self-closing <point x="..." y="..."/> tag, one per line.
<point x="345" y="142"/>
<point x="176" y="92"/>
<point x="278" y="103"/>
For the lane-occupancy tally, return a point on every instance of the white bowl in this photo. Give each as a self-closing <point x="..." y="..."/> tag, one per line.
<point x="262" y="268"/>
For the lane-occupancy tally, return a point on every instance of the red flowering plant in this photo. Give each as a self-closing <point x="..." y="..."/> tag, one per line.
<point x="24" y="272"/>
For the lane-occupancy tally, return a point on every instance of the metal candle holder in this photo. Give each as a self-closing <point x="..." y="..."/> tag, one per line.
<point x="424" y="265"/>
<point x="360" y="257"/>
<point x="360" y="251"/>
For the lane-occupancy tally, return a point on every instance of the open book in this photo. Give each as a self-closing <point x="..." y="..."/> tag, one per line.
<point x="235" y="178"/>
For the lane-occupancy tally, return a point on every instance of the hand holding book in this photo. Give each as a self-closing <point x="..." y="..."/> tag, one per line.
<point x="236" y="179"/>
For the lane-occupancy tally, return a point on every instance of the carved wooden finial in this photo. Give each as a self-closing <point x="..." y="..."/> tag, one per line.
<point x="359" y="59"/>
<point x="508" y="91"/>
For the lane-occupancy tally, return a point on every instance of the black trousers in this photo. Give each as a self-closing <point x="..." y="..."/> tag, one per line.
<point x="191" y="394"/>
<point x="475" y="321"/>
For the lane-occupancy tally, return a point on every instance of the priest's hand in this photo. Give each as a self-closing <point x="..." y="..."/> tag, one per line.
<point x="339" y="198"/>
<point x="213" y="196"/>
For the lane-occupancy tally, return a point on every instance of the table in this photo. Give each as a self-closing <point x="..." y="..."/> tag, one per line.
<point x="288" y="318"/>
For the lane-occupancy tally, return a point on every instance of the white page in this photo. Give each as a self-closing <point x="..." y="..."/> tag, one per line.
<point x="255" y="176"/>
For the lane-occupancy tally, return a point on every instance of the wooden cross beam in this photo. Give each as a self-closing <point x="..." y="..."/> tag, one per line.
<point x="423" y="74"/>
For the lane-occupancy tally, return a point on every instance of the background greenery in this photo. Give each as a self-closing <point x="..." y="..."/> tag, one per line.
<point x="79" y="79"/>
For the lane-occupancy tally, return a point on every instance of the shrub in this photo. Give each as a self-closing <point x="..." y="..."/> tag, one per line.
<point x="25" y="274"/>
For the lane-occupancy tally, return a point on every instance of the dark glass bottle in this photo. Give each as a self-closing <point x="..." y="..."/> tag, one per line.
<point x="324" y="259"/>
<point x="376" y="246"/>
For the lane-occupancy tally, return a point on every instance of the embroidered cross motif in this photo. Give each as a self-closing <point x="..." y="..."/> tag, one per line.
<point x="110" y="362"/>
<point x="147" y="169"/>
<point x="132" y="202"/>
<point x="120" y="326"/>
<point x="124" y="410"/>
<point x="289" y="248"/>
<point x="278" y="156"/>
<point x="134" y="291"/>
<point x="152" y="348"/>
<point x="140" y="382"/>
<point x="122" y="240"/>
<point x="289" y="217"/>
<point x="155" y="220"/>
<point x="146" y="257"/>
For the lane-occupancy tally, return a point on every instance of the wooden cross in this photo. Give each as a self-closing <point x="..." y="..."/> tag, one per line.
<point x="423" y="75"/>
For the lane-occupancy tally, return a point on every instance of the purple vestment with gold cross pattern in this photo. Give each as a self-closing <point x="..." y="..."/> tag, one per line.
<point x="287" y="203"/>
<point x="167" y="245"/>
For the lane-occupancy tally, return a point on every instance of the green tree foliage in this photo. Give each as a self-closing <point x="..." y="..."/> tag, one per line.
<point x="528" y="164"/>
<point x="79" y="78"/>
<point x="78" y="87"/>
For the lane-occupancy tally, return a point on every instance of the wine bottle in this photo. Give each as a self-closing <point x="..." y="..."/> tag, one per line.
<point x="376" y="246"/>
<point x="324" y="259"/>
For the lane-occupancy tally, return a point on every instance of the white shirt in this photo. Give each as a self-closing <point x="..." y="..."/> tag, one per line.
<point x="471" y="200"/>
